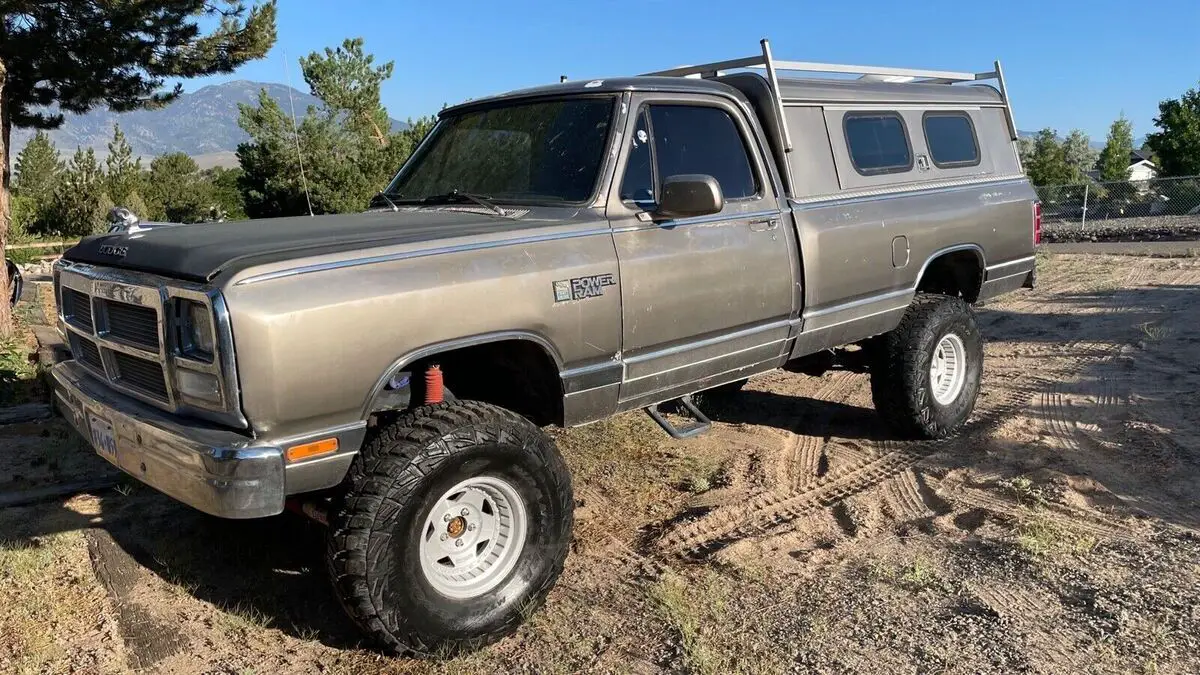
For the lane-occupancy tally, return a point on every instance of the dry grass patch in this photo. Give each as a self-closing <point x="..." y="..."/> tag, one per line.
<point x="52" y="609"/>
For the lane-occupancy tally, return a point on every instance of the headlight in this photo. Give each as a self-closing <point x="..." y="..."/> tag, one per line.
<point x="196" y="337"/>
<point x="198" y="385"/>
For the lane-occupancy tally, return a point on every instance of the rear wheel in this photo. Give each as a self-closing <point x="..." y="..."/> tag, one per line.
<point x="925" y="373"/>
<point x="454" y="525"/>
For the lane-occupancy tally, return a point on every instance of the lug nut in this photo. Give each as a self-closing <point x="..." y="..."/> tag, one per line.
<point x="445" y="536"/>
<point x="471" y="527"/>
<point x="458" y="542"/>
<point x="466" y="511"/>
<point x="446" y="518"/>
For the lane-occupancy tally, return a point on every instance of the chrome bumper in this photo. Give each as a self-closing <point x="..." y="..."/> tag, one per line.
<point x="217" y="471"/>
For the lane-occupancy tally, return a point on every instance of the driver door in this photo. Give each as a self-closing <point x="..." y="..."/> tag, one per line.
<point x="706" y="299"/>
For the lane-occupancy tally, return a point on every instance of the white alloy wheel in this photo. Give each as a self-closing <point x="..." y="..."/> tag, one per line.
<point x="948" y="369"/>
<point x="473" y="537"/>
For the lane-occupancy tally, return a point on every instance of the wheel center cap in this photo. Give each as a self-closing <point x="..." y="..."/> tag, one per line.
<point x="456" y="526"/>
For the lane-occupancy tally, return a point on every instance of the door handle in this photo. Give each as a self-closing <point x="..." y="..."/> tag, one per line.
<point x="764" y="224"/>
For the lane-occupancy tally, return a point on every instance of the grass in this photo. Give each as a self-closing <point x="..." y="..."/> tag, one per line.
<point x="48" y="601"/>
<point x="18" y="375"/>
<point x="917" y="574"/>
<point x="242" y="618"/>
<point x="1039" y="536"/>
<point x="1154" y="330"/>
<point x="716" y="634"/>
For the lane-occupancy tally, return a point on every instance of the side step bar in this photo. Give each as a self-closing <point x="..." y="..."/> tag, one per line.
<point x="701" y="425"/>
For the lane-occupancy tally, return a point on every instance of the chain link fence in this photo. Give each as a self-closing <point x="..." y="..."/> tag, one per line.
<point x="1155" y="202"/>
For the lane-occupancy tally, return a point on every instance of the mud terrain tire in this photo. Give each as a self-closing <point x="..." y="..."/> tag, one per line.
<point x="905" y="391"/>
<point x="411" y="466"/>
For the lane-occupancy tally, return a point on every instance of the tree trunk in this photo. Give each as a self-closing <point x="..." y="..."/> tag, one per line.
<point x="6" y="320"/>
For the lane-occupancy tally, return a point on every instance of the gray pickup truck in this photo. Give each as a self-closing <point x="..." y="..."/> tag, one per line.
<point x="549" y="256"/>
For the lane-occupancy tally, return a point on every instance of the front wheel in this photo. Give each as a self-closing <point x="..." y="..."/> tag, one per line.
<point x="925" y="373"/>
<point x="454" y="525"/>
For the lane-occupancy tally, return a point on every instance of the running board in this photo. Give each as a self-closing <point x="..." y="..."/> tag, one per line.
<point x="701" y="425"/>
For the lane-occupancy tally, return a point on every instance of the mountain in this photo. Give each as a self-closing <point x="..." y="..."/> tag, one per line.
<point x="199" y="123"/>
<point x="1094" y="144"/>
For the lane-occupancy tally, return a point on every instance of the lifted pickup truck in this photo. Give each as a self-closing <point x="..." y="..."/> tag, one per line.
<point x="548" y="256"/>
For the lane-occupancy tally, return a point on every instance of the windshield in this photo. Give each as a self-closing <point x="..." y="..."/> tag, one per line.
<point x="540" y="151"/>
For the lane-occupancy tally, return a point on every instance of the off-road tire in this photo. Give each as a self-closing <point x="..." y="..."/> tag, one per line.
<point x="899" y="365"/>
<point x="405" y="464"/>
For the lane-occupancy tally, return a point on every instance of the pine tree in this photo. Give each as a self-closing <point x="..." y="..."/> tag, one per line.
<point x="349" y="152"/>
<point x="1114" y="158"/>
<point x="80" y="205"/>
<point x="123" y="172"/>
<point x="37" y="168"/>
<point x="60" y="57"/>
<point x="176" y="192"/>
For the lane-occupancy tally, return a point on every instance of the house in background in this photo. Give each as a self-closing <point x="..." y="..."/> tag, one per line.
<point x="1141" y="169"/>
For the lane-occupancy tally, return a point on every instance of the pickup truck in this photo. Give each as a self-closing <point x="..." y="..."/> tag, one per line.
<point x="552" y="256"/>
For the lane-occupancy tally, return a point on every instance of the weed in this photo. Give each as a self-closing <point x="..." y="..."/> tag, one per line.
<point x="1038" y="535"/>
<point x="18" y="374"/>
<point x="1025" y="490"/>
<point x="1153" y="330"/>
<point x="243" y="617"/>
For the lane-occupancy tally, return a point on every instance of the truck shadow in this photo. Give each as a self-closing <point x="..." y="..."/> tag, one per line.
<point x="810" y="416"/>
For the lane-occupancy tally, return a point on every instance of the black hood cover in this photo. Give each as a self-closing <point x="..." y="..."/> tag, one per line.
<point x="202" y="251"/>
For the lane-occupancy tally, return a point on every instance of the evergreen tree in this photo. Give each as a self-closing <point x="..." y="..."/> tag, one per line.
<point x="1114" y="158"/>
<point x="80" y="205"/>
<point x="123" y="172"/>
<point x="60" y="57"/>
<point x="176" y="191"/>
<point x="349" y="152"/>
<point x="1047" y="163"/>
<point x="37" y="169"/>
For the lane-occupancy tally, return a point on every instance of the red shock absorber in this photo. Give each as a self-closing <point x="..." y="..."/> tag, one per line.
<point x="434" y="388"/>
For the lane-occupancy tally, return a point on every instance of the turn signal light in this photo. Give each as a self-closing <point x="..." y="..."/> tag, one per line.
<point x="299" y="452"/>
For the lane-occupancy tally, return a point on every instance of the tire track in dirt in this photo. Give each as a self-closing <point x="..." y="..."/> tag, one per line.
<point x="759" y="514"/>
<point x="712" y="532"/>
<point x="903" y="500"/>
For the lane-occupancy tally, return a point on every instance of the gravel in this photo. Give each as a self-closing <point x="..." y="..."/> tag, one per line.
<point x="1150" y="228"/>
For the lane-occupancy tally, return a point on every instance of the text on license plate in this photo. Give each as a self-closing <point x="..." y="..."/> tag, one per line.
<point x="103" y="438"/>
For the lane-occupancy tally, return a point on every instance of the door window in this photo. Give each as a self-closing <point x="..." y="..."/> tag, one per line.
<point x="638" y="184"/>
<point x="672" y="140"/>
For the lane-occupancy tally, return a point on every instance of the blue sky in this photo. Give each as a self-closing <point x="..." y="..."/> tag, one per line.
<point x="1069" y="63"/>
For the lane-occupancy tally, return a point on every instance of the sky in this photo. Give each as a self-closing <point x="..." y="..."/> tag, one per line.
<point x="1068" y="63"/>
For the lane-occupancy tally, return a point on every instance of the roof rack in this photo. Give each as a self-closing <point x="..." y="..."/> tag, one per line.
<point x="870" y="73"/>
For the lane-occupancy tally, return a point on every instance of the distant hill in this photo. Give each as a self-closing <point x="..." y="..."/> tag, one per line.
<point x="1095" y="144"/>
<point x="202" y="123"/>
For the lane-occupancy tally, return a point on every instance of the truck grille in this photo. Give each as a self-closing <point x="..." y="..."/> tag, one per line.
<point x="141" y="375"/>
<point x="133" y="324"/>
<point x="77" y="309"/>
<point x="89" y="353"/>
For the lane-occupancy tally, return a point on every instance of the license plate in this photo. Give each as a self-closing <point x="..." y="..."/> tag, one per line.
<point x="103" y="438"/>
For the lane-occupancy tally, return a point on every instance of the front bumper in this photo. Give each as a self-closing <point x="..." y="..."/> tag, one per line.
<point x="217" y="471"/>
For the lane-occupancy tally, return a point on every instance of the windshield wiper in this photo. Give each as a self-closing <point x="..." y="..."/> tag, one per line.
<point x="383" y="195"/>
<point x="456" y="196"/>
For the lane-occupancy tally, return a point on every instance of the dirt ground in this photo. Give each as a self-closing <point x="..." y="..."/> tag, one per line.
<point x="1058" y="533"/>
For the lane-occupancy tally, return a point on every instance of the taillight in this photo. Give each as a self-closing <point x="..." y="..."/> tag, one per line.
<point x="1037" y="223"/>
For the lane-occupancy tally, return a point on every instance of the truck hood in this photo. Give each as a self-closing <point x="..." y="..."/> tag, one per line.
<point x="201" y="251"/>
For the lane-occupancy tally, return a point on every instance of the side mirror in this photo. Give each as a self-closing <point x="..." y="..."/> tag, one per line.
<point x="689" y="195"/>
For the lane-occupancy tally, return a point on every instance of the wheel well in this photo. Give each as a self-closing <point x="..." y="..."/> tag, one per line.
<point x="958" y="273"/>
<point x="514" y="374"/>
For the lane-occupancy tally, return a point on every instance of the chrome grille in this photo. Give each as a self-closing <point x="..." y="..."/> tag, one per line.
<point x="77" y="308"/>
<point x="120" y="324"/>
<point x="133" y="324"/>
<point x="141" y="375"/>
<point x="89" y="353"/>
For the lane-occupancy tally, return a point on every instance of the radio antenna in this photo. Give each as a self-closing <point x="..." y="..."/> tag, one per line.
<point x="296" y="131"/>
